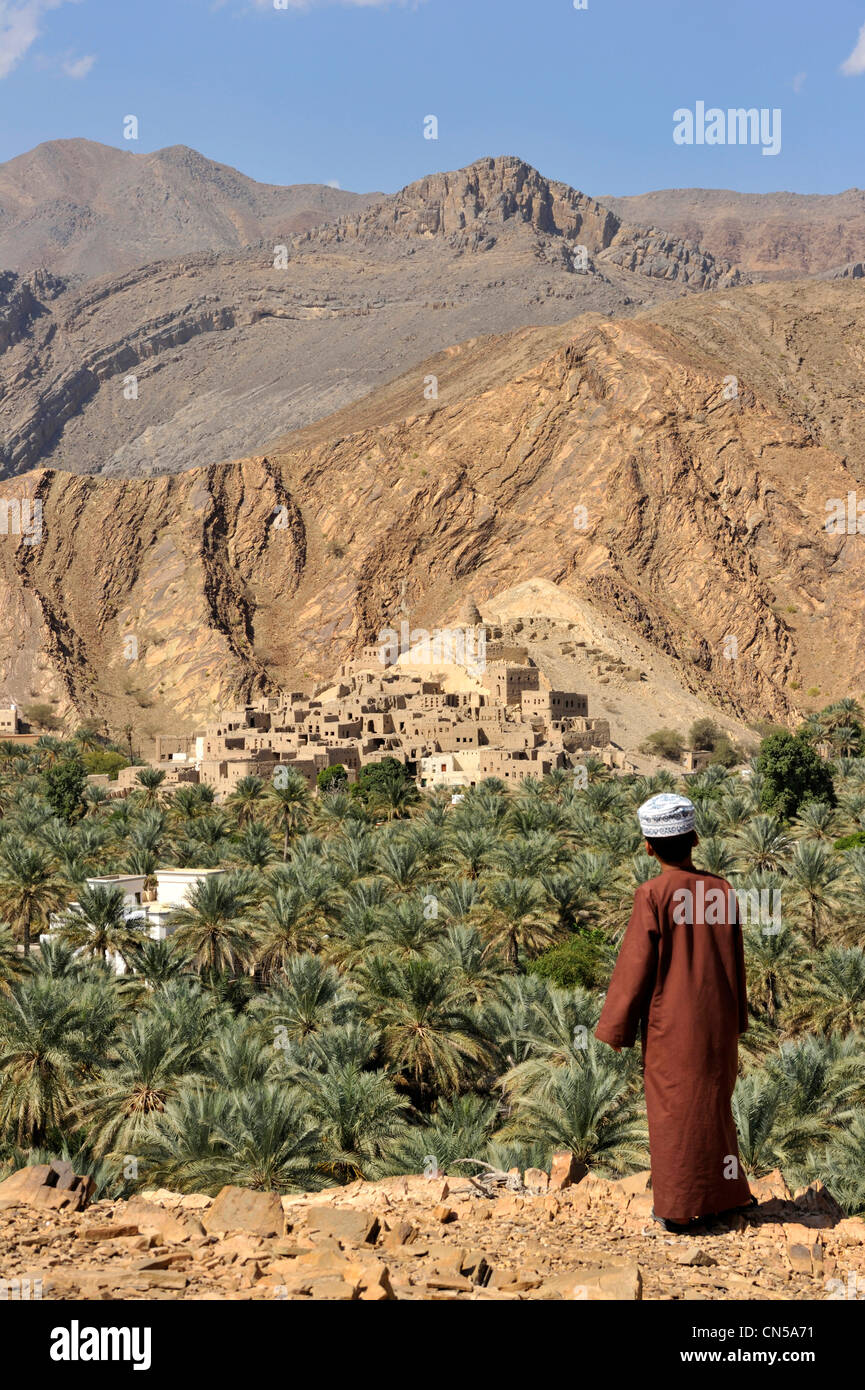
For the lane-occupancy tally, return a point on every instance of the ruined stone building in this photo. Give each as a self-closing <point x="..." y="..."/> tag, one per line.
<point x="510" y="723"/>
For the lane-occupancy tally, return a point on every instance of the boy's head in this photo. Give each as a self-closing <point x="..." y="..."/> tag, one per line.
<point x="672" y="849"/>
<point x="667" y="821"/>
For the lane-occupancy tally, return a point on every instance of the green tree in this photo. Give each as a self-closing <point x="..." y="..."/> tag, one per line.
<point x="64" y="787"/>
<point x="212" y="927"/>
<point x="332" y="779"/>
<point x="98" y="924"/>
<point x="30" y="889"/>
<point x="287" y="804"/>
<point x="792" y="773"/>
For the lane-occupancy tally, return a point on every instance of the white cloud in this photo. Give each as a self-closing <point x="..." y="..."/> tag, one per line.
<point x="78" y="67"/>
<point x="20" y="27"/>
<point x="855" y="64"/>
<point x="799" y="81"/>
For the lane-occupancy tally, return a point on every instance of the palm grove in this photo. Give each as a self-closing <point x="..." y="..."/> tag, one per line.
<point x="381" y="979"/>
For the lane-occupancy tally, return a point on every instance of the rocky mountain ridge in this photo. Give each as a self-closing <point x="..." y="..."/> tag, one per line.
<point x="84" y="209"/>
<point x="684" y="526"/>
<point x="229" y="349"/>
<point x="767" y="235"/>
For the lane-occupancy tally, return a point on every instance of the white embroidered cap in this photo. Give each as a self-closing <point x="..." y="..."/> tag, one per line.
<point x="666" y="814"/>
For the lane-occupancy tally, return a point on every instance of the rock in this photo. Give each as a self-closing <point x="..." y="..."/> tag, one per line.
<point x="96" y="1233"/>
<point x="566" y="1170"/>
<point x="240" y="1209"/>
<point x="641" y="1205"/>
<point x="400" y="1233"/>
<point x="170" y="1226"/>
<point x="816" y="1199"/>
<point x="351" y="1224"/>
<point x="536" y="1179"/>
<point x="612" y="1284"/>
<point x="454" y="1283"/>
<point x="691" y="1257"/>
<point x="196" y="1201"/>
<point x="636" y="1183"/>
<point x="800" y="1258"/>
<point x="850" y="1231"/>
<point x="332" y="1290"/>
<point x="52" y="1185"/>
<point x="772" y="1192"/>
<point x="371" y="1277"/>
<point x="444" y="1214"/>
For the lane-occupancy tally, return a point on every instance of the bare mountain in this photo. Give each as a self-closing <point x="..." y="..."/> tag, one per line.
<point x="603" y="471"/>
<point x="771" y="235"/>
<point x="84" y="209"/>
<point x="229" y="349"/>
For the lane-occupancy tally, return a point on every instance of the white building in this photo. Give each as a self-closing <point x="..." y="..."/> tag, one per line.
<point x="173" y="887"/>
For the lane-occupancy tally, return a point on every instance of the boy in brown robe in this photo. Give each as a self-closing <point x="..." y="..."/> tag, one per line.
<point x="680" y="978"/>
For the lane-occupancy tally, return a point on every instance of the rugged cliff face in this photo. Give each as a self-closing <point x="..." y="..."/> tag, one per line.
<point x="612" y="463"/>
<point x="771" y="235"/>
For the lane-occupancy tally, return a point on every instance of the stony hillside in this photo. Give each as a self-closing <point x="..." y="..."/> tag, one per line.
<point x="83" y="209"/>
<point x="547" y="1236"/>
<point x="772" y="235"/>
<point x="229" y="349"/>
<point x="609" y="463"/>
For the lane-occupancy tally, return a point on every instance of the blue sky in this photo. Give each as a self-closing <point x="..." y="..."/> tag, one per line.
<point x="337" y="90"/>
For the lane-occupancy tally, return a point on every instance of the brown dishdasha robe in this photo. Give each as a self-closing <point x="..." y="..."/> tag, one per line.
<point x="680" y="979"/>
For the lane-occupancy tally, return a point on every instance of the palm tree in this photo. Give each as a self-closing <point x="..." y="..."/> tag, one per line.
<point x="148" y="1067"/>
<point x="816" y="821"/>
<point x="358" y="1114"/>
<point x="816" y="876"/>
<point x="213" y="927"/>
<point x="143" y="862"/>
<point x="429" y="1031"/>
<point x="776" y="966"/>
<point x="515" y="917"/>
<point x="45" y="1044"/>
<point x="407" y="927"/>
<point x="589" y="1107"/>
<point x="255" y="847"/>
<point x="716" y="856"/>
<point x="98" y="924"/>
<point x="833" y="993"/>
<point x="150" y="780"/>
<point x="246" y="799"/>
<point x="568" y="899"/>
<point x="154" y="963"/>
<point x="762" y="843"/>
<point x="30" y="890"/>
<point x="845" y="1161"/>
<point x="284" y="927"/>
<point x="471" y="849"/>
<point x="401" y="864"/>
<point x="261" y="1137"/>
<point x="757" y="1102"/>
<point x="307" y="998"/>
<point x="12" y="966"/>
<point x="395" y="792"/>
<point x="287" y="804"/>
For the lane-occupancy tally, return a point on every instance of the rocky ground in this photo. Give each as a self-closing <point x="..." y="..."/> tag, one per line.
<point x="414" y="1238"/>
